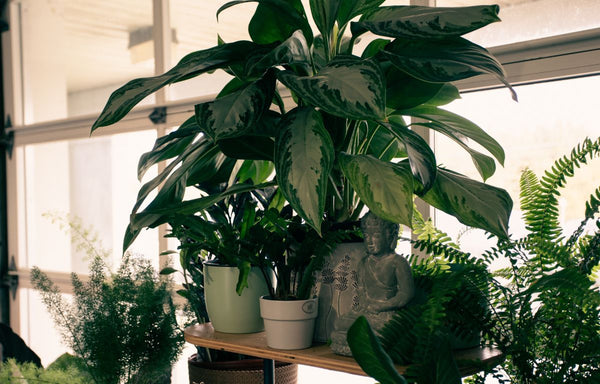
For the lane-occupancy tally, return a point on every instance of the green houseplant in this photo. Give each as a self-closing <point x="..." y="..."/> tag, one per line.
<point x="121" y="325"/>
<point x="222" y="246"/>
<point x="544" y="309"/>
<point x="327" y="119"/>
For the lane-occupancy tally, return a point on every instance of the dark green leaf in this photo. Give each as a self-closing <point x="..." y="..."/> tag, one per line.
<point x="428" y="22"/>
<point x="370" y="355"/>
<point x="386" y="188"/>
<point x="348" y="87"/>
<point x="374" y="47"/>
<point x="167" y="271"/>
<point x="235" y="114"/>
<point x="420" y="156"/>
<point x="293" y="51"/>
<point x="169" y="146"/>
<point x="304" y="156"/>
<point x="384" y="145"/>
<point x="473" y="203"/>
<point x="404" y="91"/>
<point x="324" y="13"/>
<point x="248" y="147"/>
<point x="275" y="20"/>
<point x="349" y="9"/>
<point x="457" y="127"/>
<point x="441" y="61"/>
<point x="125" y="98"/>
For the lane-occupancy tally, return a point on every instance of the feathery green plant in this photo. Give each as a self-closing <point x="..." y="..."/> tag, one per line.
<point x="122" y="325"/>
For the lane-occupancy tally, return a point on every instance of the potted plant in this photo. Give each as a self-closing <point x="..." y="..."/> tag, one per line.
<point x="295" y="252"/>
<point x="120" y="325"/>
<point x="327" y="119"/>
<point x="224" y="238"/>
<point x="544" y="309"/>
<point x="228" y="233"/>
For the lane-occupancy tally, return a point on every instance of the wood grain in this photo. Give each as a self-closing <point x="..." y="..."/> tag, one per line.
<point x="254" y="344"/>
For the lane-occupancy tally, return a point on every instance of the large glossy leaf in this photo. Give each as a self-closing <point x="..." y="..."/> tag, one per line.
<point x="275" y="20"/>
<point x="293" y="51"/>
<point x="304" y="157"/>
<point x="420" y="156"/>
<point x="473" y="203"/>
<point x="442" y="61"/>
<point x="456" y="126"/>
<point x="235" y="114"/>
<point x="324" y="13"/>
<point x="404" y="91"/>
<point x="125" y="98"/>
<point x="383" y="144"/>
<point x="370" y="355"/>
<point x="428" y="22"/>
<point x="348" y="87"/>
<point x="485" y="165"/>
<point x="386" y="188"/>
<point x="169" y="146"/>
<point x="349" y="9"/>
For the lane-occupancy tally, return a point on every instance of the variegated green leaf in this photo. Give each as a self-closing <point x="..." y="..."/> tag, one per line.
<point x="442" y="61"/>
<point x="386" y="188"/>
<point x="304" y="157"/>
<point x="420" y="156"/>
<point x="348" y="87"/>
<point x="455" y="126"/>
<point x="169" y="146"/>
<point x="293" y="51"/>
<point x="473" y="203"/>
<point x="125" y="98"/>
<point x="428" y="22"/>
<point x="349" y="9"/>
<point x="235" y="114"/>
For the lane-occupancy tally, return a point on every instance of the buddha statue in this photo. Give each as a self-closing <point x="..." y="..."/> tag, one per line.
<point x="385" y="281"/>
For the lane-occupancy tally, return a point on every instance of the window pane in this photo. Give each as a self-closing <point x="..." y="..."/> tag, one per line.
<point x="533" y="19"/>
<point x="547" y="122"/>
<point x="92" y="179"/>
<point x="75" y="53"/>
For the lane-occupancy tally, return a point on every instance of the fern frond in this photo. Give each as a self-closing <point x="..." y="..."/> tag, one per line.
<point x="539" y="200"/>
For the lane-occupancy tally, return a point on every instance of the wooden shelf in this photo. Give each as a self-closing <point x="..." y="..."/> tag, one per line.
<point x="470" y="361"/>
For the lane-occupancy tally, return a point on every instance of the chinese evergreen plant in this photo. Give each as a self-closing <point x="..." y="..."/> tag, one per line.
<point x="326" y="121"/>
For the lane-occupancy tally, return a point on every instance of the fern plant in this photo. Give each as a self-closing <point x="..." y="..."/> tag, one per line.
<point x="542" y="312"/>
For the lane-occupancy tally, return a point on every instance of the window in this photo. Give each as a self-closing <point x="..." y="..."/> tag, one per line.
<point x="63" y="58"/>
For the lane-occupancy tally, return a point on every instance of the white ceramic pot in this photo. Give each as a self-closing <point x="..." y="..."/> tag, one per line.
<point x="228" y="311"/>
<point x="289" y="324"/>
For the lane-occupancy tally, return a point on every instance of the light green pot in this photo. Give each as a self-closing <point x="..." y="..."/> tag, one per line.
<point x="227" y="311"/>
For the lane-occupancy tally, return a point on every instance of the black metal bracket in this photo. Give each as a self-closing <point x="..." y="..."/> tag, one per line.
<point x="158" y="115"/>
<point x="12" y="279"/>
<point x="7" y="139"/>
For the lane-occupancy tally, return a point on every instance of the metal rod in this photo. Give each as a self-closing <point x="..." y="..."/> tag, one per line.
<point x="269" y="371"/>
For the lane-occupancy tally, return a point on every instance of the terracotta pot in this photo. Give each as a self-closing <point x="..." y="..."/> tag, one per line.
<point x="248" y="371"/>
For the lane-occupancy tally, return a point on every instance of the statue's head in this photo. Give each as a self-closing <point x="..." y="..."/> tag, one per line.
<point x="380" y="235"/>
